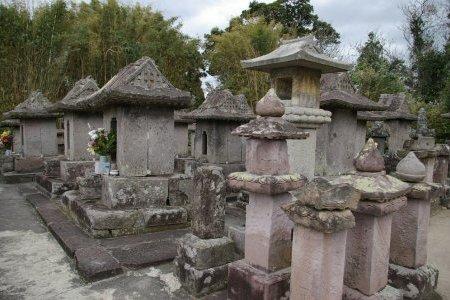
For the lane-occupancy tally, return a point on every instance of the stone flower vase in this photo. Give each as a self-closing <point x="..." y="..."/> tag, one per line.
<point x="103" y="165"/>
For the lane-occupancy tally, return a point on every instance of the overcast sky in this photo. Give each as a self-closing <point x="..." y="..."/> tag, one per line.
<point x="353" y="19"/>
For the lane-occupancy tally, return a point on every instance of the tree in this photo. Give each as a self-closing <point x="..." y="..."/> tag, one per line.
<point x="376" y="72"/>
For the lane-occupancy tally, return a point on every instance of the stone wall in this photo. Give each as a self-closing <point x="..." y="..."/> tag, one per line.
<point x="399" y="131"/>
<point x="182" y="139"/>
<point x="39" y="137"/>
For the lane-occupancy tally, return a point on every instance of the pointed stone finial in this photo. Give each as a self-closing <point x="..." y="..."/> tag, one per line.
<point x="411" y="169"/>
<point x="369" y="159"/>
<point x="270" y="105"/>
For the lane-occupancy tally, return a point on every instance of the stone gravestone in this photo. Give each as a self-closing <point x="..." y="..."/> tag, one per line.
<point x="203" y="256"/>
<point x="264" y="272"/>
<point x="322" y="216"/>
<point x="295" y="68"/>
<point x="368" y="243"/>
<point x="408" y="270"/>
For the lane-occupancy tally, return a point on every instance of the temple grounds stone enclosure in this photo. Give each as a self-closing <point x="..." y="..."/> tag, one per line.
<point x="315" y="193"/>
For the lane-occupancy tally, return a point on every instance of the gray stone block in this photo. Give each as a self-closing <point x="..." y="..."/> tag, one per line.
<point x="52" y="167"/>
<point x="418" y="283"/>
<point x="90" y="186"/>
<point x="206" y="253"/>
<point x="70" y="170"/>
<point x="134" y="192"/>
<point x="181" y="189"/>
<point x="96" y="263"/>
<point x="28" y="164"/>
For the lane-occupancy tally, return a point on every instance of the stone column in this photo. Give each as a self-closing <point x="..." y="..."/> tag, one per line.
<point x="368" y="243"/>
<point x="321" y="215"/>
<point x="264" y="272"/>
<point x="408" y="270"/>
<point x="202" y="257"/>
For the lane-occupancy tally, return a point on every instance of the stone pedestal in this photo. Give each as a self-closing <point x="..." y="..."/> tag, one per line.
<point x="70" y="170"/>
<point x="30" y="164"/>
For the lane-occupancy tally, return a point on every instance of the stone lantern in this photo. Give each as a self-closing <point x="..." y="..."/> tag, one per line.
<point x="264" y="272"/>
<point x="340" y="141"/>
<point x="216" y="118"/>
<point x="397" y="118"/>
<point x="38" y="132"/>
<point x="78" y="121"/>
<point x="295" y="68"/>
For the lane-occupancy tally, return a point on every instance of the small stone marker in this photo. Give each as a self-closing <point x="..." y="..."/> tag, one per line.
<point x="322" y="216"/>
<point x="408" y="270"/>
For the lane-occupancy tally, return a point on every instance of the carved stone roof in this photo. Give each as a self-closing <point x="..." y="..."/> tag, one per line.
<point x="223" y="105"/>
<point x="35" y="106"/>
<point x="397" y="108"/>
<point x="182" y="116"/>
<point x="139" y="83"/>
<point x="336" y="90"/>
<point x="81" y="89"/>
<point x="10" y="123"/>
<point x="299" y="52"/>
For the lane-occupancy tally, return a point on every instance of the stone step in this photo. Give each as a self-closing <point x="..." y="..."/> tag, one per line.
<point x="49" y="186"/>
<point x="16" y="177"/>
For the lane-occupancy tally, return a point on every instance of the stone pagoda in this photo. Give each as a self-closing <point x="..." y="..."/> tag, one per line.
<point x="368" y="243"/>
<point x="216" y="118"/>
<point x="78" y="121"/>
<point x="340" y="141"/>
<point x="38" y="132"/>
<point x="138" y="104"/>
<point x="397" y="117"/>
<point x="295" y="68"/>
<point x="264" y="272"/>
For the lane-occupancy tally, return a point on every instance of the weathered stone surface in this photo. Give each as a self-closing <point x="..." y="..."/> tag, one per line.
<point x="376" y="187"/>
<point x="411" y="169"/>
<point x="51" y="186"/>
<point x="134" y="192"/>
<point x="322" y="194"/>
<point x="265" y="184"/>
<point x="271" y="128"/>
<point x="205" y="253"/>
<point x="35" y="106"/>
<point x="381" y="209"/>
<point x="181" y="190"/>
<point x="422" y="125"/>
<point x="90" y="186"/>
<point x="200" y="282"/>
<point x="387" y="293"/>
<point x="414" y="283"/>
<point x="208" y="203"/>
<point x="96" y="263"/>
<point x="421" y="191"/>
<point x="28" y="164"/>
<point x="267" y="157"/>
<point x="270" y="105"/>
<point x="165" y="216"/>
<point x="324" y="221"/>
<point x="52" y="167"/>
<point x="369" y="159"/>
<point x="39" y="137"/>
<point x="247" y="282"/>
<point x="70" y="170"/>
<point x="423" y="143"/>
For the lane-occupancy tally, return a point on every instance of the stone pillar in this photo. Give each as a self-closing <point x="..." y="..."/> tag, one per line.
<point x="202" y="257"/>
<point x="264" y="272"/>
<point x="321" y="214"/>
<point x="408" y="270"/>
<point x="368" y="243"/>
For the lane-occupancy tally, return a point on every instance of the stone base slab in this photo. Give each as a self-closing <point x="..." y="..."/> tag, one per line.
<point x="388" y="293"/>
<point x="134" y="192"/>
<point x="70" y="170"/>
<point x="90" y="186"/>
<point x="102" y="222"/>
<point x="52" y="167"/>
<point x="418" y="283"/>
<point x="28" y="164"/>
<point x="50" y="186"/>
<point x="14" y="177"/>
<point x="200" y="282"/>
<point x="247" y="282"/>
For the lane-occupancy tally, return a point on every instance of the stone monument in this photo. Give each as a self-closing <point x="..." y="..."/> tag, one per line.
<point x="264" y="272"/>
<point x="138" y="103"/>
<point x="368" y="243"/>
<point x="339" y="141"/>
<point x="408" y="270"/>
<point x="322" y="216"/>
<point x="203" y="255"/>
<point x="38" y="133"/>
<point x="380" y="134"/>
<point x="295" y="68"/>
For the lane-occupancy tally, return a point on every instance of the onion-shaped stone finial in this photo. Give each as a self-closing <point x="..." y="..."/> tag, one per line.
<point x="411" y="169"/>
<point x="270" y="105"/>
<point x="369" y="159"/>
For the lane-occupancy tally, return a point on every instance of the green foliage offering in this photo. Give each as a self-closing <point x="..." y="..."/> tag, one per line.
<point x="375" y="73"/>
<point x="61" y="43"/>
<point x="102" y="143"/>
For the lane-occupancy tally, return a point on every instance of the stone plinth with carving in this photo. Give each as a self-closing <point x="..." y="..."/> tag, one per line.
<point x="264" y="272"/>
<point x="368" y="243"/>
<point x="321" y="216"/>
<point x="408" y="270"/>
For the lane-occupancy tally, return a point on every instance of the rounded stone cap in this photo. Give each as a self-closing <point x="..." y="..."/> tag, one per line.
<point x="411" y="169"/>
<point x="270" y="105"/>
<point x="369" y="159"/>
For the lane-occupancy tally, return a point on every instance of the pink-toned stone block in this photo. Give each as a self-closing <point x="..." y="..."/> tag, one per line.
<point x="268" y="232"/>
<point x="367" y="253"/>
<point x="264" y="157"/>
<point x="317" y="269"/>
<point x="410" y="233"/>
